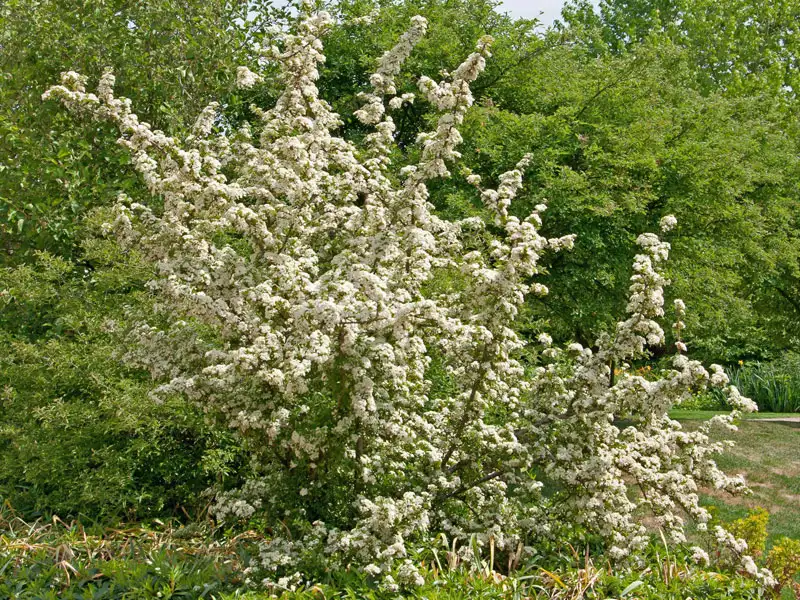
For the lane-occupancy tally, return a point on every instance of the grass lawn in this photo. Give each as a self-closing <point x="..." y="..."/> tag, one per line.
<point x="698" y="415"/>
<point x="768" y="454"/>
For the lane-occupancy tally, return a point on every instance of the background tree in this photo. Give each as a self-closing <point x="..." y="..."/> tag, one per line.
<point x="620" y="134"/>
<point x="619" y="141"/>
<point x="175" y="55"/>
<point x="739" y="46"/>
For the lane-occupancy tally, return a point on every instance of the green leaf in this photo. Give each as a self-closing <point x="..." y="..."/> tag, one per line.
<point x="631" y="587"/>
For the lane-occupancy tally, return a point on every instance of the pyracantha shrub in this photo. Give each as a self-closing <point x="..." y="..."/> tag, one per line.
<point x="365" y="348"/>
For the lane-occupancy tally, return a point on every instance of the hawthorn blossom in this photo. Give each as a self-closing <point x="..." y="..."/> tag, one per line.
<point x="245" y="78"/>
<point x="700" y="556"/>
<point x="667" y="223"/>
<point x="364" y="347"/>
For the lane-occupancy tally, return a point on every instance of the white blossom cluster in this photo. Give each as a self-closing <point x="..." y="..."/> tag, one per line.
<point x="365" y="348"/>
<point x="735" y="551"/>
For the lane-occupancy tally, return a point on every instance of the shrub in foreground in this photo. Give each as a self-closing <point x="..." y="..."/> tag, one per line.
<point x="363" y="347"/>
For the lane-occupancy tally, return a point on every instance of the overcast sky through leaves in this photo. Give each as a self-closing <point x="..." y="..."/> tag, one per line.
<point x="550" y="9"/>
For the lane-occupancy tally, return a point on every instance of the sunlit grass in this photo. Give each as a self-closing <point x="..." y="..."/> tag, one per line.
<point x="696" y="415"/>
<point x="768" y="455"/>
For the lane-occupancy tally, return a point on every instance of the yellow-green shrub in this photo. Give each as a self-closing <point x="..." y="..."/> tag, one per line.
<point x="753" y="530"/>
<point x="784" y="561"/>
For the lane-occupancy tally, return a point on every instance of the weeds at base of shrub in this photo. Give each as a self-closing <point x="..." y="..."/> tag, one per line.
<point x="54" y="559"/>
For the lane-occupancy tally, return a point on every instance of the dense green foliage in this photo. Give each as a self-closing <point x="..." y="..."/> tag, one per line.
<point x="173" y="57"/>
<point x="736" y="45"/>
<point x="617" y="147"/>
<point x="740" y="210"/>
<point x="78" y="432"/>
<point x="621" y="134"/>
<point x="619" y="139"/>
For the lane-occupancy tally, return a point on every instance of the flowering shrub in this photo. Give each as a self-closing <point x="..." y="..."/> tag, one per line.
<point x="365" y="348"/>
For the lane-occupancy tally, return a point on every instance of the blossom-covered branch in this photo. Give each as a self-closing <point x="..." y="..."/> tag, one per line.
<point x="358" y="341"/>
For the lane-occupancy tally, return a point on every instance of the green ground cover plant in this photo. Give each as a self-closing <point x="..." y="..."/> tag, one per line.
<point x="53" y="559"/>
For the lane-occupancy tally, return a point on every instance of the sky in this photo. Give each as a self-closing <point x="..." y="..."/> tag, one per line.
<point x="546" y="11"/>
<point x="550" y="9"/>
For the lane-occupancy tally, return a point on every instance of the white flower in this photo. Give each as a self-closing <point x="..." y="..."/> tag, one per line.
<point x="474" y="179"/>
<point x="245" y="78"/>
<point x="700" y="556"/>
<point x="408" y="574"/>
<point x="749" y="565"/>
<point x="668" y="222"/>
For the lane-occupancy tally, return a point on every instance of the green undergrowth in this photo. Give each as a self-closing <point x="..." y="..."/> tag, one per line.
<point x="49" y="560"/>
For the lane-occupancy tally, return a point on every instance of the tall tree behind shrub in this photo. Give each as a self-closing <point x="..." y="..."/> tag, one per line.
<point x="618" y="139"/>
<point x="619" y="135"/>
<point x="176" y="56"/>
